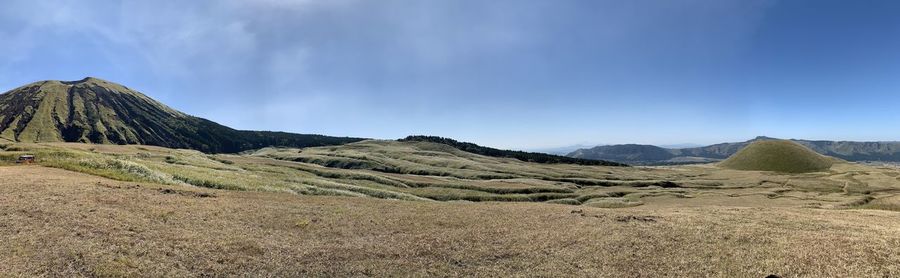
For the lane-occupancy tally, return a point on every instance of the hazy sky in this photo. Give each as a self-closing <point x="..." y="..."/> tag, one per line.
<point x="513" y="74"/>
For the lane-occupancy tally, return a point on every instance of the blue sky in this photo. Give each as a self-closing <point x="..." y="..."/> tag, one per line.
<point x="503" y="73"/>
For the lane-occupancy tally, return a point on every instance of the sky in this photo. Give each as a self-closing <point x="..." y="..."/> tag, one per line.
<point x="519" y="74"/>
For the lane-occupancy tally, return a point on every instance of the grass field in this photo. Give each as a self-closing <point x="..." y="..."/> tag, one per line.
<point x="60" y="223"/>
<point x="385" y="208"/>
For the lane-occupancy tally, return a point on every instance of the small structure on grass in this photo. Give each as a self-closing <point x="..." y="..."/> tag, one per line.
<point x="25" y="159"/>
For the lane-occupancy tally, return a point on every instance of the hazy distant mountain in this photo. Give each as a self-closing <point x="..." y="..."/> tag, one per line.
<point x="560" y="150"/>
<point x="681" y="146"/>
<point x="856" y="151"/>
<point x="97" y="111"/>
<point x="628" y="152"/>
<point x="653" y="155"/>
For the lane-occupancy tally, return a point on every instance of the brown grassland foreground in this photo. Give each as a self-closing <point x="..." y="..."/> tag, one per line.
<point x="147" y="211"/>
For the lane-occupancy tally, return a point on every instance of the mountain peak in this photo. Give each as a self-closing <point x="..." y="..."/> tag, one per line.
<point x="779" y="156"/>
<point x="93" y="110"/>
<point x="88" y="79"/>
<point x="89" y="110"/>
<point x="758" y="138"/>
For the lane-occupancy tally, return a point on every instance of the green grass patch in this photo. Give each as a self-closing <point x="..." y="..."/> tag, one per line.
<point x="777" y="156"/>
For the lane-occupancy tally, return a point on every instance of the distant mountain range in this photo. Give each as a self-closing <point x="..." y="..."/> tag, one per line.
<point x="652" y="155"/>
<point x="92" y="110"/>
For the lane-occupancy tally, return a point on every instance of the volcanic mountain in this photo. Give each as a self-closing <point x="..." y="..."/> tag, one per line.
<point x="779" y="156"/>
<point x="92" y="110"/>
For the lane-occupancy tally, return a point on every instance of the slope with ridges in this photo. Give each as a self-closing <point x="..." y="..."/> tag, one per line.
<point x="777" y="156"/>
<point x="92" y="110"/>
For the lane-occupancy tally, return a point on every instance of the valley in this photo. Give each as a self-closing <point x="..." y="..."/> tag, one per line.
<point x="122" y="186"/>
<point x="510" y="138"/>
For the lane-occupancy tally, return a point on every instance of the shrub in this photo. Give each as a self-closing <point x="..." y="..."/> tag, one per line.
<point x="565" y="201"/>
<point x="107" y="167"/>
<point x="612" y="203"/>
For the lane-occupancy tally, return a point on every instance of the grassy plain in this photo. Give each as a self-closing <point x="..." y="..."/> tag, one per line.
<point x="60" y="223"/>
<point x="390" y="208"/>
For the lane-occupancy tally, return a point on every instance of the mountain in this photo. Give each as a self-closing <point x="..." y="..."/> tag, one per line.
<point x="718" y="151"/>
<point x="652" y="155"/>
<point x="520" y="155"/>
<point x="92" y="110"/>
<point x="621" y="153"/>
<point x="559" y="150"/>
<point x="681" y="146"/>
<point x="856" y="151"/>
<point x="778" y="156"/>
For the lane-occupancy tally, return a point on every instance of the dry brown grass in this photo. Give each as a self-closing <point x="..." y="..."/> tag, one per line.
<point x="426" y="171"/>
<point x="597" y="221"/>
<point x="887" y="203"/>
<point x="59" y="223"/>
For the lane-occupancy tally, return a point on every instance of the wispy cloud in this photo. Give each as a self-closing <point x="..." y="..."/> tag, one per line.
<point x="407" y="66"/>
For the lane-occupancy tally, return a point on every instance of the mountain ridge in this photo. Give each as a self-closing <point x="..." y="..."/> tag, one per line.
<point x="520" y="155"/>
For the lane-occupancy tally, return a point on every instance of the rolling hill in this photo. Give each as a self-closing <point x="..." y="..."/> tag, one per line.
<point x="777" y="156"/>
<point x="92" y="110"/>
<point x="520" y="155"/>
<point x="653" y="155"/>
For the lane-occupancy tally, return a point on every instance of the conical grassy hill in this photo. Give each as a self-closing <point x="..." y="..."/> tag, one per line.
<point x="777" y="156"/>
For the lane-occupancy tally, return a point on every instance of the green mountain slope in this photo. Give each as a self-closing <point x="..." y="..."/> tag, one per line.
<point x="92" y="110"/>
<point x="778" y="156"/>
